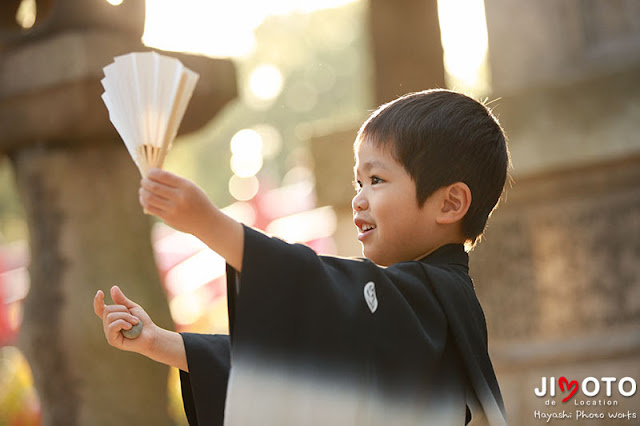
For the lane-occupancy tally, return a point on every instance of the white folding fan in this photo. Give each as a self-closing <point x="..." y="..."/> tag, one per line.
<point x="146" y="95"/>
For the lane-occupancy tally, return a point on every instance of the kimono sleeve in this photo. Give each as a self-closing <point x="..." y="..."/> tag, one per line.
<point x="204" y="387"/>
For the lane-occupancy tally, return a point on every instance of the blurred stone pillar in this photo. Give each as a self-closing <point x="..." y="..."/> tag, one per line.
<point x="407" y="57"/>
<point x="79" y="189"/>
<point x="406" y="47"/>
<point x="558" y="271"/>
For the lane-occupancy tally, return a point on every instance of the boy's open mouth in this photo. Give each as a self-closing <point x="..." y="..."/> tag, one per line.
<point x="363" y="227"/>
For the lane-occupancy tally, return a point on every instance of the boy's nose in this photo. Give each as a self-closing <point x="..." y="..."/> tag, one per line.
<point x="359" y="202"/>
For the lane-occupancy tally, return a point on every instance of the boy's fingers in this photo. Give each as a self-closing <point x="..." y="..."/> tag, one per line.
<point x="114" y="308"/>
<point x="98" y="303"/>
<point x="152" y="209"/>
<point x="164" y="177"/>
<point x="150" y="199"/>
<point x="114" y="316"/>
<point x="119" y="298"/>
<point x="114" y="328"/>
<point x="155" y="188"/>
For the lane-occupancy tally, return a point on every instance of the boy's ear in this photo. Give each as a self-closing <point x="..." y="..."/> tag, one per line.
<point x="455" y="202"/>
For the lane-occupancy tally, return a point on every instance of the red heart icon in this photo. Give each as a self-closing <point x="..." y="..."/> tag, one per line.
<point x="570" y="385"/>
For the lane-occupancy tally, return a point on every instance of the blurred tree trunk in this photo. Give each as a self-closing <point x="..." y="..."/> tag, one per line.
<point x="87" y="232"/>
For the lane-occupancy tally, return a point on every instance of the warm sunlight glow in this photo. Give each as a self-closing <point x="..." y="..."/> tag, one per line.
<point x="464" y="38"/>
<point x="214" y="27"/>
<point x="209" y="27"/>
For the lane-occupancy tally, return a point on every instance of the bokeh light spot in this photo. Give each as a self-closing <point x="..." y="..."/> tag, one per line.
<point x="185" y="308"/>
<point x="302" y="97"/>
<point x="245" y="142"/>
<point x="246" y="147"/>
<point x="242" y="212"/>
<point x="243" y="188"/>
<point x="265" y="82"/>
<point x="271" y="140"/>
<point x="26" y="14"/>
<point x="246" y="165"/>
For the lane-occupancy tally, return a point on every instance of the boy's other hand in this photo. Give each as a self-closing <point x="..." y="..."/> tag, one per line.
<point x="178" y="201"/>
<point x="123" y="315"/>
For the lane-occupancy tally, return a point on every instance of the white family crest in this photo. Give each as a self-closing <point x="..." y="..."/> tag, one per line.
<point x="370" y="296"/>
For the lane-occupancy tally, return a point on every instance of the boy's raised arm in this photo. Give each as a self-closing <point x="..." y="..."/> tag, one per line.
<point x="185" y="207"/>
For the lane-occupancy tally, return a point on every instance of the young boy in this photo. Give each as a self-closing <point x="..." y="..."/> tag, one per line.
<point x="398" y="338"/>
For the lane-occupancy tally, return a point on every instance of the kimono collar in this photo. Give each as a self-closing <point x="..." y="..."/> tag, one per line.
<point x="448" y="254"/>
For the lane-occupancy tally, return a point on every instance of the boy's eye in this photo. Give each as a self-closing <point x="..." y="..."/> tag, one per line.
<point x="357" y="185"/>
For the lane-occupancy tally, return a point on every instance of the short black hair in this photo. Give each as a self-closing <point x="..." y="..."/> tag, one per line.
<point x="441" y="137"/>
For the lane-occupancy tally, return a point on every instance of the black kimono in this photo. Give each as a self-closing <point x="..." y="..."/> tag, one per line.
<point x="318" y="340"/>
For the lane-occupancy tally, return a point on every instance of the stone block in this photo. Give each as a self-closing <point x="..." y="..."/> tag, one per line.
<point x="50" y="89"/>
<point x="550" y="42"/>
<point x="53" y="16"/>
<point x="574" y="124"/>
<point x="333" y="160"/>
<point x="558" y="259"/>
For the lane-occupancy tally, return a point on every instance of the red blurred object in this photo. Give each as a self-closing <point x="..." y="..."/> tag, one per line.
<point x="14" y="284"/>
<point x="5" y="330"/>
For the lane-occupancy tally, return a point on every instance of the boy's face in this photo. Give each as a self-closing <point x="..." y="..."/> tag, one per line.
<point x="392" y="227"/>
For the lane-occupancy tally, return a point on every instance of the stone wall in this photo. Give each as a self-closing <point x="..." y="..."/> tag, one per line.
<point x="534" y="44"/>
<point x="558" y="277"/>
<point x="558" y="272"/>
